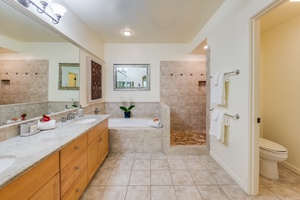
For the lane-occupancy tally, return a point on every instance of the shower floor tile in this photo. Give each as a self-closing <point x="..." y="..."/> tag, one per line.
<point x="188" y="138"/>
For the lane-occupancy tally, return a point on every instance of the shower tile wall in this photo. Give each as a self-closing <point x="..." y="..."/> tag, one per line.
<point x="23" y="81"/>
<point x="182" y="88"/>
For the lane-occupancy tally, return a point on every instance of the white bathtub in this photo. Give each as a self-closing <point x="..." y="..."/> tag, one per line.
<point x="129" y="123"/>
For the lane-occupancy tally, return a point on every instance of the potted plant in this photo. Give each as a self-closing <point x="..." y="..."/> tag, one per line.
<point x="127" y="110"/>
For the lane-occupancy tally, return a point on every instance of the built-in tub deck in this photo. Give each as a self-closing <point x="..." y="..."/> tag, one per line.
<point x="134" y="135"/>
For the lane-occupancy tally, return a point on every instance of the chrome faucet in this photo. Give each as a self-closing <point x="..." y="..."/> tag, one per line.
<point x="97" y="111"/>
<point x="71" y="116"/>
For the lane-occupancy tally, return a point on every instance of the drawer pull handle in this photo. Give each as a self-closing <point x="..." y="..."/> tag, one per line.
<point x="77" y="147"/>
<point x="77" y="167"/>
<point x="78" y="190"/>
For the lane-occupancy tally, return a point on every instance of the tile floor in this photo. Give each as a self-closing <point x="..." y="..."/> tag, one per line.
<point x="176" y="177"/>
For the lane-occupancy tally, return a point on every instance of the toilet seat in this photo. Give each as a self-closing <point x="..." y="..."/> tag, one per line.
<point x="270" y="146"/>
<point x="271" y="154"/>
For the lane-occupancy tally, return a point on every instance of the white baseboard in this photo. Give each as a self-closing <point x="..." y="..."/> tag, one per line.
<point x="230" y="173"/>
<point x="291" y="167"/>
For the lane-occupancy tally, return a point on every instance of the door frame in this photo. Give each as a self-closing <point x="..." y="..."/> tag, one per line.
<point x="255" y="95"/>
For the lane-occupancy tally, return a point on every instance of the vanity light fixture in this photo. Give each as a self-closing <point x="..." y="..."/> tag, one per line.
<point x="127" y="33"/>
<point x="58" y="10"/>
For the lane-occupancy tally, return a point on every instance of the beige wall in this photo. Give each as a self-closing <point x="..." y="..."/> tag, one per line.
<point x="281" y="49"/>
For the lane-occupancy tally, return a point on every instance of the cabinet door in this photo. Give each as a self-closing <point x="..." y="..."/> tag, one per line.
<point x="50" y="191"/>
<point x="103" y="145"/>
<point x="30" y="182"/>
<point x="93" y="158"/>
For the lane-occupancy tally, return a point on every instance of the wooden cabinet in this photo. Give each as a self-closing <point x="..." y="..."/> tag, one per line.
<point x="50" y="191"/>
<point x="93" y="158"/>
<point x="77" y="188"/>
<point x="66" y="173"/>
<point x="73" y="161"/>
<point x="97" y="147"/>
<point x="103" y="140"/>
<point x="41" y="179"/>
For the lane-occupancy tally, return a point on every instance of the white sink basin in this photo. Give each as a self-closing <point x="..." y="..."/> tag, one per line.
<point x="83" y="121"/>
<point x="6" y="162"/>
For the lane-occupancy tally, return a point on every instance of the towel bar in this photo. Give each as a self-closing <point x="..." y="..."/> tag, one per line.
<point x="237" y="116"/>
<point x="237" y="72"/>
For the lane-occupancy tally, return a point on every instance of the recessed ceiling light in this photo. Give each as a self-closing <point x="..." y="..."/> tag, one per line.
<point x="127" y="33"/>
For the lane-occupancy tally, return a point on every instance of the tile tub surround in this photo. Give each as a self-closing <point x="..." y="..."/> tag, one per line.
<point x="20" y="80"/>
<point x="136" y="140"/>
<point x="155" y="176"/>
<point x="30" y="151"/>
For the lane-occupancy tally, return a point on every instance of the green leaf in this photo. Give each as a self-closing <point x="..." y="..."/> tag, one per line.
<point x="130" y="107"/>
<point x="123" y="108"/>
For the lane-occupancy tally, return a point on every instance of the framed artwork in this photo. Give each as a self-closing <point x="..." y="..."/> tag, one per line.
<point x="94" y="73"/>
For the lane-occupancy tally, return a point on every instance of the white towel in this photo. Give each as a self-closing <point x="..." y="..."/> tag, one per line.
<point x="156" y="124"/>
<point x="217" y="124"/>
<point x="46" y="125"/>
<point x="218" y="88"/>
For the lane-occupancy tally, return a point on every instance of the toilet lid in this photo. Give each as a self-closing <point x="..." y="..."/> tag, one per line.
<point x="271" y="146"/>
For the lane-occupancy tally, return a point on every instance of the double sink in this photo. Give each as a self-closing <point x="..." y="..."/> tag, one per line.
<point x="7" y="161"/>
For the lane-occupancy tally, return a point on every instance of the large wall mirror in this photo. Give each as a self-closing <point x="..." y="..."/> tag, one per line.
<point x="29" y="68"/>
<point x="131" y="77"/>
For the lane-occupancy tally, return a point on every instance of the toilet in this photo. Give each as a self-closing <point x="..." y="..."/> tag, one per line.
<point x="270" y="154"/>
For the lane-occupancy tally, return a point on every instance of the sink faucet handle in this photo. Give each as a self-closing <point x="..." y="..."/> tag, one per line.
<point x="63" y="119"/>
<point x="97" y="111"/>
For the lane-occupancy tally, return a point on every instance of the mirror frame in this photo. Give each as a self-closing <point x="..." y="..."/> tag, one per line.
<point x="146" y="66"/>
<point x="61" y="65"/>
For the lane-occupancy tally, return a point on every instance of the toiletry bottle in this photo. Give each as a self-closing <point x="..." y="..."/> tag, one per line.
<point x="80" y="111"/>
<point x="66" y="107"/>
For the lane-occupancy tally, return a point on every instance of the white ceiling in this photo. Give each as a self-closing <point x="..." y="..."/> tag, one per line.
<point x="151" y="21"/>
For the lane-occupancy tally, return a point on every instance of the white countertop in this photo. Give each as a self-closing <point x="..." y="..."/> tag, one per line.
<point x="30" y="151"/>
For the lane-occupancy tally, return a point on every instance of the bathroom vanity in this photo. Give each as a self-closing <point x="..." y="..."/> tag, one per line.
<point x="55" y="164"/>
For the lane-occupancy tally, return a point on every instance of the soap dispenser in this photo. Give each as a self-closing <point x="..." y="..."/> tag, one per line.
<point x="80" y="111"/>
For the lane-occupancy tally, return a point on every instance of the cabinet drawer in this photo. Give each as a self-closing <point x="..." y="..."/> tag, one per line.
<point x="50" y="191"/>
<point x="72" y="170"/>
<point x="97" y="130"/>
<point x="71" y="151"/>
<point x="30" y="182"/>
<point x="77" y="188"/>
